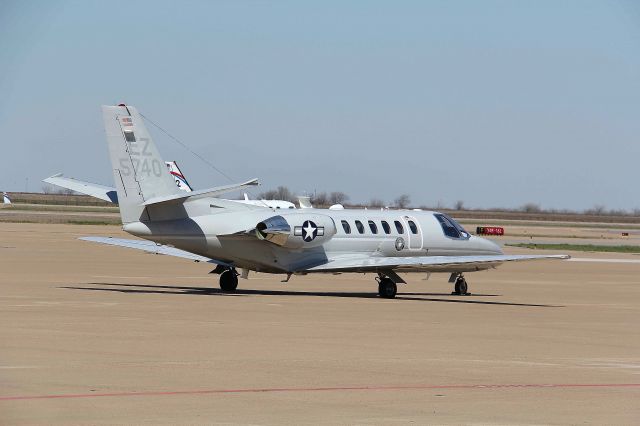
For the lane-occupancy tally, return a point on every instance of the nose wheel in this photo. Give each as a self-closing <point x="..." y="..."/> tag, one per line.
<point x="228" y="280"/>
<point x="460" y="287"/>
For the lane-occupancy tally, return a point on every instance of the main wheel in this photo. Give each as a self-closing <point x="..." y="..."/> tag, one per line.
<point x="387" y="289"/>
<point x="461" y="286"/>
<point x="228" y="280"/>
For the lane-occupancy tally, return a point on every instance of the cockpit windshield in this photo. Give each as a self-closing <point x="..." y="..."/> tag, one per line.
<point x="451" y="228"/>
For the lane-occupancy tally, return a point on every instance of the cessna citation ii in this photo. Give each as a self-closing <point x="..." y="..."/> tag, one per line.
<point x="199" y="226"/>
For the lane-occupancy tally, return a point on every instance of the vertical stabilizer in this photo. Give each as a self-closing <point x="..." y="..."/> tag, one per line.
<point x="5" y="198"/>
<point x="305" y="202"/>
<point x="176" y="173"/>
<point x="138" y="170"/>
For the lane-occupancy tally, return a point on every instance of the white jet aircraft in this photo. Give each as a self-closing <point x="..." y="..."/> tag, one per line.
<point x="201" y="227"/>
<point x="274" y="204"/>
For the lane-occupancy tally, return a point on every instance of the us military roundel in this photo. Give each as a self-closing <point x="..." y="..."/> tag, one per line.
<point x="309" y="231"/>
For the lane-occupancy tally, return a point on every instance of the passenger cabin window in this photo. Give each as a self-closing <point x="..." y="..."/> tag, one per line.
<point x="399" y="227"/>
<point x="373" y="227"/>
<point x="346" y="227"/>
<point x="451" y="228"/>
<point x="386" y="227"/>
<point x="360" y="227"/>
<point x="413" y="227"/>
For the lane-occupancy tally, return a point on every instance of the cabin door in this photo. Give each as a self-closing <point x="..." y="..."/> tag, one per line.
<point x="414" y="233"/>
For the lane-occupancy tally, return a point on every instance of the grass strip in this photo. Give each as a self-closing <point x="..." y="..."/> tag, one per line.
<point x="55" y="208"/>
<point x="542" y="223"/>
<point x="579" y="247"/>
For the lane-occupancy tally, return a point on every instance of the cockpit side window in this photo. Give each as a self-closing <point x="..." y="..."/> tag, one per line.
<point x="360" y="227"/>
<point x="451" y="228"/>
<point x="399" y="227"/>
<point x="373" y="227"/>
<point x="346" y="227"/>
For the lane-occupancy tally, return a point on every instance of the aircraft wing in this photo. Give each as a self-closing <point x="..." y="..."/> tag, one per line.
<point x="102" y="192"/>
<point x="424" y="263"/>
<point x="151" y="247"/>
<point x="203" y="193"/>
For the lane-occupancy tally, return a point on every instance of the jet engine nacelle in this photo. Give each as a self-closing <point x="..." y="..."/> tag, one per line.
<point x="297" y="230"/>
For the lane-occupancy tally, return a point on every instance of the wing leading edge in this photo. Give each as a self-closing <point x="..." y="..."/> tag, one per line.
<point x="424" y="263"/>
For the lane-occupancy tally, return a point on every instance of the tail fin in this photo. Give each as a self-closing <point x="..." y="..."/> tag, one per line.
<point x="305" y="202"/>
<point x="181" y="181"/>
<point x="138" y="170"/>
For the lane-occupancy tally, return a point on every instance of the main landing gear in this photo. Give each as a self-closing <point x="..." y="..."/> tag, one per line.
<point x="228" y="280"/>
<point x="460" y="287"/>
<point x="387" y="289"/>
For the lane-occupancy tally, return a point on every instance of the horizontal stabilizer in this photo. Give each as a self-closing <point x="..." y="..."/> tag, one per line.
<point x="203" y="193"/>
<point x="102" y="192"/>
<point x="151" y="247"/>
<point x="423" y="263"/>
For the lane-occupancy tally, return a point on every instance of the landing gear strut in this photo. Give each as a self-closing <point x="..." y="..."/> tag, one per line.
<point x="460" y="288"/>
<point x="229" y="280"/>
<point x="387" y="289"/>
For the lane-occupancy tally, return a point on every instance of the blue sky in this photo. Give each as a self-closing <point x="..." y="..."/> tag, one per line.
<point x="497" y="103"/>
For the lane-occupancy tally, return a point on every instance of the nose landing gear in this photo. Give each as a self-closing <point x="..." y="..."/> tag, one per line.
<point x="460" y="287"/>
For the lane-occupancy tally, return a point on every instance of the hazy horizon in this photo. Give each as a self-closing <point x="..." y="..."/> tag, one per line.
<point x="494" y="103"/>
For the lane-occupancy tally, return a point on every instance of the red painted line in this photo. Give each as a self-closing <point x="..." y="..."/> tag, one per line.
<point x="325" y="389"/>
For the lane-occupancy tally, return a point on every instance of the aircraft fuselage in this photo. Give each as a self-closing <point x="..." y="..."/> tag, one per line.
<point x="328" y="234"/>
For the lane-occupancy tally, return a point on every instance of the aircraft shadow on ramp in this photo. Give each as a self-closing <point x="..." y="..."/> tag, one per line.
<point x="210" y="291"/>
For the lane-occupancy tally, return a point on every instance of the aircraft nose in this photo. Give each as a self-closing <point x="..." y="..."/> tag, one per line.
<point x="489" y="246"/>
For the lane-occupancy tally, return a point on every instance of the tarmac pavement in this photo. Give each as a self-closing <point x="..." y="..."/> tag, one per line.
<point x="101" y="335"/>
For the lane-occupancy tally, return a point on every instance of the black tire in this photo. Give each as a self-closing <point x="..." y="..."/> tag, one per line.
<point x="463" y="287"/>
<point x="228" y="281"/>
<point x="387" y="289"/>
